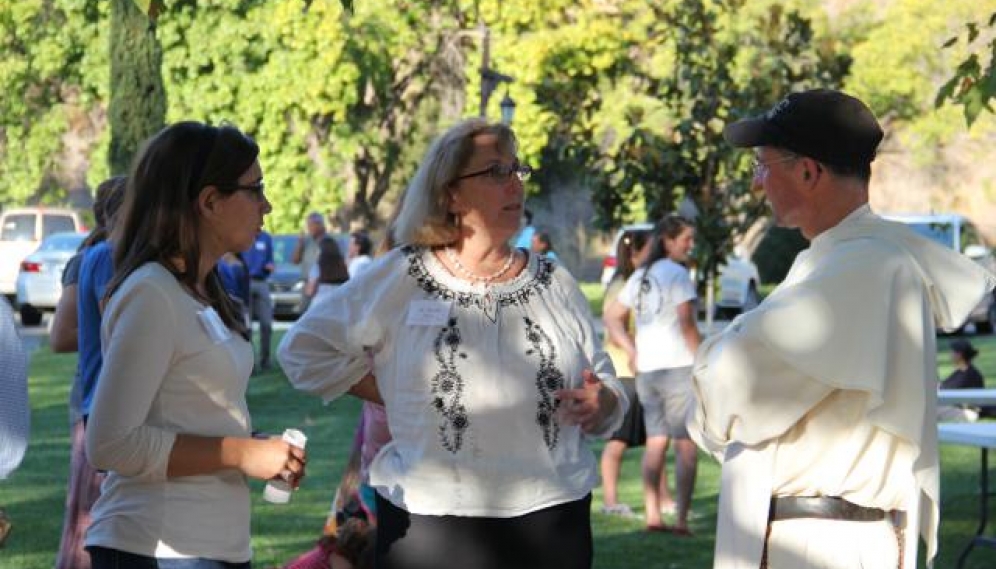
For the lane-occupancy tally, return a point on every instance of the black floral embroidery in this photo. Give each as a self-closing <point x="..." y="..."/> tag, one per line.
<point x="447" y="388"/>
<point x="521" y="295"/>
<point x="548" y="380"/>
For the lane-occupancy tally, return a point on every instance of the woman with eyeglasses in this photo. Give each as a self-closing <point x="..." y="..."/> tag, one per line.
<point x="169" y="420"/>
<point x="488" y="366"/>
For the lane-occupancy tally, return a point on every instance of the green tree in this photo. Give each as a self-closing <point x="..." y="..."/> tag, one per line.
<point x="973" y="84"/>
<point x="635" y="99"/>
<point x="341" y="104"/>
<point x="53" y="74"/>
<point x="137" y="107"/>
<point x="899" y="67"/>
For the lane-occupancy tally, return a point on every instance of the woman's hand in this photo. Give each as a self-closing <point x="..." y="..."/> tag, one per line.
<point x="588" y="406"/>
<point x="273" y="458"/>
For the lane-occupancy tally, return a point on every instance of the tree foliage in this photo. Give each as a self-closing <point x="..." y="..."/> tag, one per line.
<point x="973" y="85"/>
<point x="137" y="107"/>
<point x="899" y="66"/>
<point x="622" y="98"/>
<point x="52" y="74"/>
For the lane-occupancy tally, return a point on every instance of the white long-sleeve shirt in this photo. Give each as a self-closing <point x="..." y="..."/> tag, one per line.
<point x="166" y="373"/>
<point x="468" y="386"/>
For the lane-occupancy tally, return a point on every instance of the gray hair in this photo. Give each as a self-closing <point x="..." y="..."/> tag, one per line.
<point x="424" y="218"/>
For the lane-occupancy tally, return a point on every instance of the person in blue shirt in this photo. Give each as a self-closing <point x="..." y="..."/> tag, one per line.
<point x="525" y="238"/>
<point x="78" y="318"/>
<point x="259" y="262"/>
<point x="542" y="245"/>
<point x="236" y="282"/>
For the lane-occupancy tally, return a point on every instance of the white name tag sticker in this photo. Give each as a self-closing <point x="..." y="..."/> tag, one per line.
<point x="428" y="312"/>
<point x="214" y="326"/>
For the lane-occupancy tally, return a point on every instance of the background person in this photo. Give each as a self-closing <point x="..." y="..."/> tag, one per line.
<point x="15" y="409"/>
<point x="524" y="240"/>
<point x="306" y="249"/>
<point x="330" y="269"/>
<point x="236" y="282"/>
<point x="541" y="244"/>
<point x="821" y="400"/>
<point x="964" y="376"/>
<point x="631" y="252"/>
<point x="360" y="251"/>
<point x="169" y="421"/>
<point x="661" y="296"/>
<point x="78" y="313"/>
<point x="488" y="366"/>
<point x="62" y="334"/>
<point x="259" y="262"/>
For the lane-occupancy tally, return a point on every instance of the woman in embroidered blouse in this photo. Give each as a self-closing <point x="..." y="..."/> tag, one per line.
<point x="487" y="363"/>
<point x="169" y="419"/>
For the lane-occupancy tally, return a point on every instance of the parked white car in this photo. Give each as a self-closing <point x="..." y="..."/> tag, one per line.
<point x="959" y="233"/>
<point x="39" y="282"/>
<point x="738" y="277"/>
<point x="22" y="230"/>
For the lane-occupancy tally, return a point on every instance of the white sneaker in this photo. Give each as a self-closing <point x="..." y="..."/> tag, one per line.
<point x="621" y="510"/>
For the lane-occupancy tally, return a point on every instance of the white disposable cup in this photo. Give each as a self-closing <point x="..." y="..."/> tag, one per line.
<point x="279" y="491"/>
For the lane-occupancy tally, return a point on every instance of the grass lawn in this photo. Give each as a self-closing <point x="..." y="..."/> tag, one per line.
<point x="34" y="495"/>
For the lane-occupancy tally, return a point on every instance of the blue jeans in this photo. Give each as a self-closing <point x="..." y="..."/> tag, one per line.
<point x="106" y="558"/>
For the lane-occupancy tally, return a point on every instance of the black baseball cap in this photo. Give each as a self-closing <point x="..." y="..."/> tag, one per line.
<point x="828" y="126"/>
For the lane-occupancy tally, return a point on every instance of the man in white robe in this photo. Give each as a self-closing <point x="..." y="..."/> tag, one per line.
<point x="821" y="401"/>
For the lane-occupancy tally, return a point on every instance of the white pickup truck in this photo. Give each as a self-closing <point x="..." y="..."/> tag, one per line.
<point x="21" y="230"/>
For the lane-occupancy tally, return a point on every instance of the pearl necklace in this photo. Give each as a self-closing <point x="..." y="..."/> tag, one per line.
<point x="485" y="280"/>
<point x="487" y="301"/>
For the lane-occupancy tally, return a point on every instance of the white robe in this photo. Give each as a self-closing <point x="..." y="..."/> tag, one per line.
<point x="856" y="312"/>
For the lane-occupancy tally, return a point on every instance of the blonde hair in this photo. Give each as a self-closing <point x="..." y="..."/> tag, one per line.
<point x="424" y="218"/>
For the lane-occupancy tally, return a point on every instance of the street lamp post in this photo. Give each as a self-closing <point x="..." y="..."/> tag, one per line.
<point x="490" y="80"/>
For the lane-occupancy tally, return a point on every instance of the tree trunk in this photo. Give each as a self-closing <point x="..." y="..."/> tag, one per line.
<point x="137" y="109"/>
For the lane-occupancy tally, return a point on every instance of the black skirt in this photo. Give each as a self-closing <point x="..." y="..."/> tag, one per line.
<point x="633" y="430"/>
<point x="558" y="537"/>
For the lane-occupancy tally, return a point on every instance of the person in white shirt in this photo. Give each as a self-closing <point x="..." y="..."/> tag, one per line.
<point x="15" y="408"/>
<point x="661" y="296"/>
<point x="330" y="270"/>
<point x="169" y="420"/>
<point x="488" y="365"/>
<point x="360" y="251"/>
<point x="821" y="401"/>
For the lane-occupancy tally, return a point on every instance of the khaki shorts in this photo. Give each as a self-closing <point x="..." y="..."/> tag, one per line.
<point x="666" y="396"/>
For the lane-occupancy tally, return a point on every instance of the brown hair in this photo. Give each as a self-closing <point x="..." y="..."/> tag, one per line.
<point x="670" y="227"/>
<point x="107" y="201"/>
<point x="629" y="245"/>
<point x="331" y="264"/>
<point x="159" y="218"/>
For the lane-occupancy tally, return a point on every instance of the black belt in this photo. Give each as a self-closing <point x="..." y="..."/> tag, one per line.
<point x="822" y="507"/>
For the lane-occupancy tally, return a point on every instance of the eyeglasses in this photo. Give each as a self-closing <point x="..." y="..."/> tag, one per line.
<point x="501" y="173"/>
<point x="257" y="190"/>
<point x="762" y="167"/>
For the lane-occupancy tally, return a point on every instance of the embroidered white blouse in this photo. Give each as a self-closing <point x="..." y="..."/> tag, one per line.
<point x="467" y="384"/>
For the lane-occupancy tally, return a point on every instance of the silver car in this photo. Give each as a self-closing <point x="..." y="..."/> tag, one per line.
<point x="39" y="281"/>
